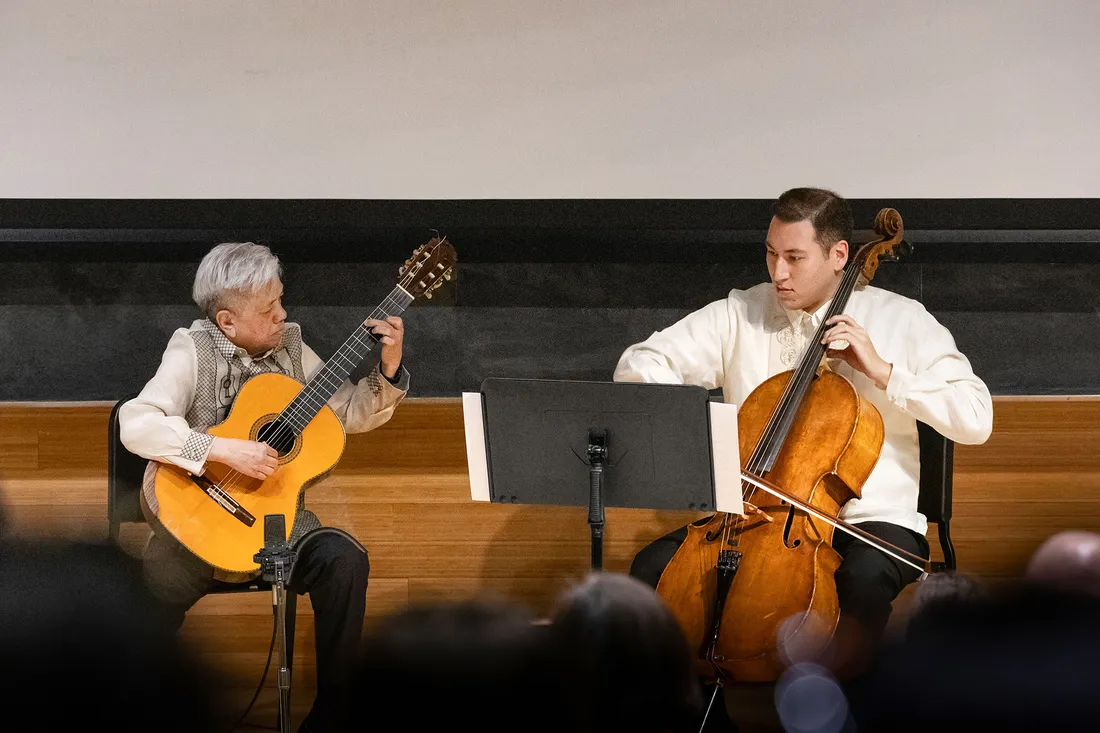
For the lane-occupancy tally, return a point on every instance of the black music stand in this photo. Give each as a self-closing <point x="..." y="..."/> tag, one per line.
<point x="597" y="444"/>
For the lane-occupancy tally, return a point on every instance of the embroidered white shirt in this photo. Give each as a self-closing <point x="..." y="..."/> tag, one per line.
<point x="737" y="343"/>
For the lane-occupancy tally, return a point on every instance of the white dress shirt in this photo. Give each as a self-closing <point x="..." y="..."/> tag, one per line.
<point x="737" y="343"/>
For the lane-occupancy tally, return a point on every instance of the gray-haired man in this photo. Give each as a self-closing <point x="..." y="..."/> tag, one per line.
<point x="239" y="289"/>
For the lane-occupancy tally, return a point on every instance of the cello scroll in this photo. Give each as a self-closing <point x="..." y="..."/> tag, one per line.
<point x="889" y="247"/>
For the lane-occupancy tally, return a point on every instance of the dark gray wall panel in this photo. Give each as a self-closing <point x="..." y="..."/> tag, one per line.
<point x="91" y="290"/>
<point x="99" y="352"/>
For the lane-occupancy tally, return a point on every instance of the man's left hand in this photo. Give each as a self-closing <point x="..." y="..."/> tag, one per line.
<point x="855" y="348"/>
<point x="391" y="334"/>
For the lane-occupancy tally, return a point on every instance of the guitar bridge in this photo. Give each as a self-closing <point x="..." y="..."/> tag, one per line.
<point x="225" y="501"/>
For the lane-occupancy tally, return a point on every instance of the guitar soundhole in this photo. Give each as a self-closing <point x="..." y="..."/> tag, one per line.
<point x="279" y="435"/>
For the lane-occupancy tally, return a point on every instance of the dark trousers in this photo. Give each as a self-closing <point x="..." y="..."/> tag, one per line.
<point x="867" y="580"/>
<point x="331" y="568"/>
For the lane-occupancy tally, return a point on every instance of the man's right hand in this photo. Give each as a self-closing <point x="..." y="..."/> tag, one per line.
<point x="258" y="460"/>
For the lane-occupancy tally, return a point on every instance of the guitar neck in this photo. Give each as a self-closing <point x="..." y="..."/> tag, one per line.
<point x="358" y="345"/>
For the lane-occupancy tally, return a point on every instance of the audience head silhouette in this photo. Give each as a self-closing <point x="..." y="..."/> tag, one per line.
<point x="624" y="659"/>
<point x="1068" y="560"/>
<point x="1022" y="658"/>
<point x="452" y="665"/>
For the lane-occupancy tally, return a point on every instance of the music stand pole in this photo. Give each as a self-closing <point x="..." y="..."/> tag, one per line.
<point x="597" y="455"/>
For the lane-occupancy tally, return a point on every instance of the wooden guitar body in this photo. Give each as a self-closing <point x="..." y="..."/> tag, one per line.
<point x="175" y="503"/>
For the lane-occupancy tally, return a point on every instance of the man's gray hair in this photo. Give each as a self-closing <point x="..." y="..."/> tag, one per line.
<point x="233" y="269"/>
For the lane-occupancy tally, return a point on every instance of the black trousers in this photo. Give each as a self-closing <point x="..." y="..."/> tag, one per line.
<point x="331" y="568"/>
<point x="867" y="580"/>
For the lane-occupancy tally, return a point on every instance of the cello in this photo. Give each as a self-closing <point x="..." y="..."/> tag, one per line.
<point x="747" y="588"/>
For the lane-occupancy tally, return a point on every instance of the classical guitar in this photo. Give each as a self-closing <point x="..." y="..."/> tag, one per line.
<point x="218" y="515"/>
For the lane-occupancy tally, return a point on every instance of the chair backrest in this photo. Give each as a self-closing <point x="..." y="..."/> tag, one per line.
<point x="937" y="464"/>
<point x="125" y="472"/>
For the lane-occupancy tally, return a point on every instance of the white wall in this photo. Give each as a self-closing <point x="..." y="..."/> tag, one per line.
<point x="562" y="98"/>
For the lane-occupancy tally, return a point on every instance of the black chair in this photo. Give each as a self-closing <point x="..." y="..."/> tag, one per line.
<point x="125" y="473"/>
<point x="937" y="464"/>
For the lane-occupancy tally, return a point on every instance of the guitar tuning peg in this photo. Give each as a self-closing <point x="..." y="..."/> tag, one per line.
<point x="447" y="276"/>
<point x="428" y="294"/>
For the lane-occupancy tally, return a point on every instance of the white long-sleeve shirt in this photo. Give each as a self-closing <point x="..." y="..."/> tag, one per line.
<point x="168" y="420"/>
<point x="737" y="343"/>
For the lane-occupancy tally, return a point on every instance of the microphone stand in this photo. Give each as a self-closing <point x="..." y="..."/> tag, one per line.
<point x="276" y="560"/>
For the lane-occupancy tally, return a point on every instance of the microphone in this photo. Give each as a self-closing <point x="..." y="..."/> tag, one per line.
<point x="275" y="557"/>
<point x="274" y="531"/>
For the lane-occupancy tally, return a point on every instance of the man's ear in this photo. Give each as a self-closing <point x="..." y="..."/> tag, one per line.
<point x="224" y="319"/>
<point x="839" y="254"/>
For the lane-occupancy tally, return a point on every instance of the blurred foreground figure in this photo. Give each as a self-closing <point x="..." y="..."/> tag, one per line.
<point x="624" y="661"/>
<point x="453" y="666"/>
<point x="1068" y="560"/>
<point x="84" y="646"/>
<point x="1024" y="658"/>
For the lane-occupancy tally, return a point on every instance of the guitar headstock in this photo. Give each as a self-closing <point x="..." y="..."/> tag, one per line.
<point x="889" y="247"/>
<point x="428" y="268"/>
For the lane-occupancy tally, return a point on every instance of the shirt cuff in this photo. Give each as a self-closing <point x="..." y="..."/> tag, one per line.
<point x="898" y="385"/>
<point x="197" y="447"/>
<point x="400" y="379"/>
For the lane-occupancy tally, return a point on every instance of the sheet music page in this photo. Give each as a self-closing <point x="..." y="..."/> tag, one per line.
<point x="727" y="457"/>
<point x="476" y="458"/>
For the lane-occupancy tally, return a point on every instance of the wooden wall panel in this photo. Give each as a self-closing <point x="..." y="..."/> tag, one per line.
<point x="403" y="490"/>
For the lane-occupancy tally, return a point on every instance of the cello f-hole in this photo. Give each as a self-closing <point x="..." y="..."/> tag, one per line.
<point x="715" y="534"/>
<point x="787" y="530"/>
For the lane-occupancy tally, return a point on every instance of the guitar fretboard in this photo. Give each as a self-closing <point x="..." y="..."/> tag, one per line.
<point x="324" y="384"/>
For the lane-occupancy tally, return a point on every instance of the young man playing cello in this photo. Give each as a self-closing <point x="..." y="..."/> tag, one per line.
<point x="895" y="353"/>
